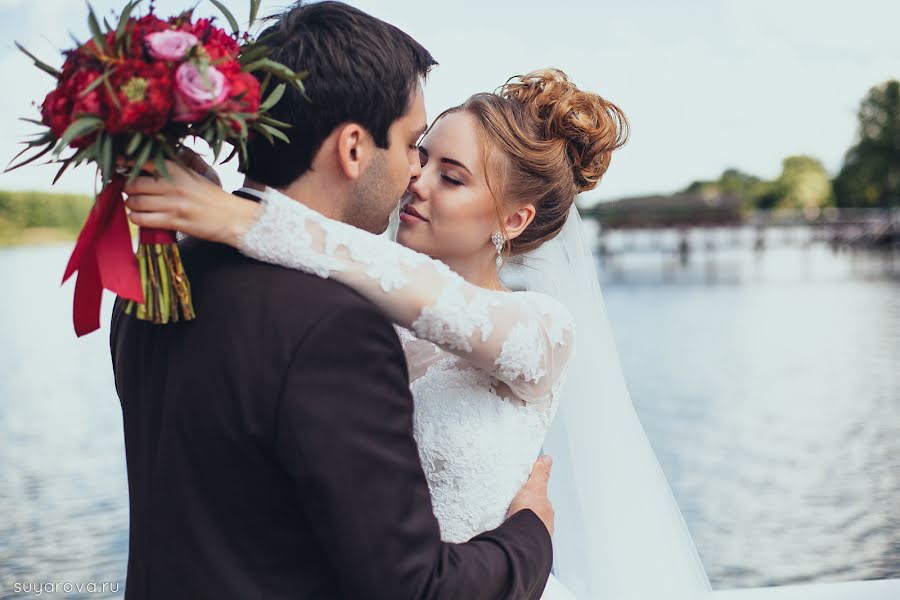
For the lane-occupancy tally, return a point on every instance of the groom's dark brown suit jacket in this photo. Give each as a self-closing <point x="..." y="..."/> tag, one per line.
<point x="270" y="452"/>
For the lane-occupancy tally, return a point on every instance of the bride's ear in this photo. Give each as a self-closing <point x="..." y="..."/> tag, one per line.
<point x="353" y="147"/>
<point x="519" y="220"/>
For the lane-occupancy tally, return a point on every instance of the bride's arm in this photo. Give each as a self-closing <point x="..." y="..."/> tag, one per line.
<point x="523" y="339"/>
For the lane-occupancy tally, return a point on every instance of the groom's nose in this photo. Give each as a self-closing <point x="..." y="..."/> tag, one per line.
<point x="415" y="171"/>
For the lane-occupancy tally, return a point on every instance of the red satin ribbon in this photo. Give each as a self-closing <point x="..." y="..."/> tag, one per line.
<point x="104" y="259"/>
<point x="157" y="236"/>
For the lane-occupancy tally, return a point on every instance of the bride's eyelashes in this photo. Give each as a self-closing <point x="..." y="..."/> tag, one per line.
<point x="451" y="181"/>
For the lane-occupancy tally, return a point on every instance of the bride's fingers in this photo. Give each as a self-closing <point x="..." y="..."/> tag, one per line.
<point x="151" y="220"/>
<point x="154" y="203"/>
<point x="148" y="185"/>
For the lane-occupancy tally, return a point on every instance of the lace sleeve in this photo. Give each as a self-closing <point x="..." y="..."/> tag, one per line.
<point x="523" y="339"/>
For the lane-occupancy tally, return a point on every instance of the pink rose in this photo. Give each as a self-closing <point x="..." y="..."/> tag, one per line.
<point x="170" y="45"/>
<point x="195" y="95"/>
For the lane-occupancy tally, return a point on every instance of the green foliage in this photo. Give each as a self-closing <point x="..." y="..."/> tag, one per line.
<point x="803" y="184"/>
<point x="27" y="210"/>
<point x="870" y="176"/>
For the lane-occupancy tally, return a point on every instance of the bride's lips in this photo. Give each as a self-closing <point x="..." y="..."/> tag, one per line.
<point x="408" y="214"/>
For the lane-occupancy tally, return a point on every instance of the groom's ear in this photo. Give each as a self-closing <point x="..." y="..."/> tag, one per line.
<point x="354" y="145"/>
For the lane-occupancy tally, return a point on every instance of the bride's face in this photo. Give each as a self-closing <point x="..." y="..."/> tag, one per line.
<point x="455" y="207"/>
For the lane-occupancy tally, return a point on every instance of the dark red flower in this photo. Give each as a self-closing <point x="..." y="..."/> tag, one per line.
<point x="217" y="43"/>
<point x="67" y="103"/>
<point x="244" y="96"/>
<point x="144" y="94"/>
<point x="56" y="111"/>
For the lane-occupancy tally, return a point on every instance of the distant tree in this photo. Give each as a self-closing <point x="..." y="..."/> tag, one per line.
<point x="803" y="184"/>
<point x="870" y="175"/>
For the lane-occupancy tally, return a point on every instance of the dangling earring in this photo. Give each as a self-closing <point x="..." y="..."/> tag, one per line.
<point x="498" y="241"/>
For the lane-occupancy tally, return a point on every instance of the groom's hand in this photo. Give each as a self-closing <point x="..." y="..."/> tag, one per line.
<point x="533" y="494"/>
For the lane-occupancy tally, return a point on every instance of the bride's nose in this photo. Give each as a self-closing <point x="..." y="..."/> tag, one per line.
<point x="416" y="187"/>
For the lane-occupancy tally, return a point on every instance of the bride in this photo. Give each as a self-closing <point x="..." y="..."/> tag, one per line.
<point x="490" y="368"/>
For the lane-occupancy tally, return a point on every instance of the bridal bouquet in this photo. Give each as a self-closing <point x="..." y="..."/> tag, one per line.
<point x="126" y="101"/>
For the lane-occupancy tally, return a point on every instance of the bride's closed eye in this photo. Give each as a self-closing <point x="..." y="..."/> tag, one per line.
<point x="450" y="180"/>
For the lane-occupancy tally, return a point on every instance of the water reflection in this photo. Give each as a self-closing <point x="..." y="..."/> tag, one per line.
<point x="771" y="395"/>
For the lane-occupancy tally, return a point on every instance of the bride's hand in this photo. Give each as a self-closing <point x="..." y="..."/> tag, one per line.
<point x="191" y="204"/>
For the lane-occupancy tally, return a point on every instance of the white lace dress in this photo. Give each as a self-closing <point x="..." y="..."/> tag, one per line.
<point x="486" y="368"/>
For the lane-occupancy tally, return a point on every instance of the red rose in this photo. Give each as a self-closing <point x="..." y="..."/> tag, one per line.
<point x="56" y="111"/>
<point x="67" y="103"/>
<point x="144" y="93"/>
<point x="217" y="43"/>
<point x="244" y="96"/>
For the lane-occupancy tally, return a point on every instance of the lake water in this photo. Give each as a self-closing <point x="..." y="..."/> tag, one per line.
<point x="769" y="386"/>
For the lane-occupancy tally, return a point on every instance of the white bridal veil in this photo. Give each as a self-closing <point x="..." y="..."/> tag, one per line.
<point x="619" y="533"/>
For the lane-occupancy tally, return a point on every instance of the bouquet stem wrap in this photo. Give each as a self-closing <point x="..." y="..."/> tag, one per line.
<point x="166" y="289"/>
<point x="104" y="259"/>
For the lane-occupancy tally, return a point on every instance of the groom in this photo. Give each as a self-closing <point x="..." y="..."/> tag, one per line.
<point x="269" y="442"/>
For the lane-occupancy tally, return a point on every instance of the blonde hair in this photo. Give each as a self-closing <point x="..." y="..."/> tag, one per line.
<point x="545" y="141"/>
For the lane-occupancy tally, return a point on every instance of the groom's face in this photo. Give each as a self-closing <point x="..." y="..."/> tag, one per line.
<point x="390" y="172"/>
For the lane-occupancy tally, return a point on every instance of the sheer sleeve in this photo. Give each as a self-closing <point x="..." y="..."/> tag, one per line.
<point x="524" y="339"/>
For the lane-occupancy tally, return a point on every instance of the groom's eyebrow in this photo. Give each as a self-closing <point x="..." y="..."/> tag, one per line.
<point x="444" y="159"/>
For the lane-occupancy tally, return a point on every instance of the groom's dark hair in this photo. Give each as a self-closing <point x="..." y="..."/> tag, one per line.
<point x="361" y="70"/>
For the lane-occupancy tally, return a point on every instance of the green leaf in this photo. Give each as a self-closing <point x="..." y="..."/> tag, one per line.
<point x="39" y="63"/>
<point x="134" y="143"/>
<point x="243" y="158"/>
<point x="62" y="170"/>
<point x="82" y="155"/>
<point x="80" y="127"/>
<point x="32" y="121"/>
<point x="95" y="84"/>
<point x="234" y="150"/>
<point x="273" y="98"/>
<point x="140" y="161"/>
<point x="253" y="53"/>
<point x="260" y="128"/>
<point x="112" y="93"/>
<point x="254" y="10"/>
<point x="106" y="158"/>
<point x="274" y="122"/>
<point x="94" y="26"/>
<point x="276" y="133"/>
<point x="235" y="28"/>
<point x="123" y="19"/>
<point x="221" y="133"/>
<point x="160" y="162"/>
<point x="28" y="160"/>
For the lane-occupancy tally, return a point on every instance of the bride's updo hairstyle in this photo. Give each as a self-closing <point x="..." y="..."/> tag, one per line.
<point x="544" y="141"/>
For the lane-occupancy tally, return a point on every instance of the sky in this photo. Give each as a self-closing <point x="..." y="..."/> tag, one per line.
<point x="707" y="85"/>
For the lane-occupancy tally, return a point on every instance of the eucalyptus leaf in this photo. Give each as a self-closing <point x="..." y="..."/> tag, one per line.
<point x="254" y="10"/>
<point x="94" y="26"/>
<point x="276" y="133"/>
<point x="62" y="170"/>
<point x="106" y="158"/>
<point x="123" y="19"/>
<point x="28" y="160"/>
<point x="95" y="84"/>
<point x="134" y="144"/>
<point x="39" y="63"/>
<point x="235" y="28"/>
<point x="141" y="160"/>
<point x="273" y="98"/>
<point x="80" y="127"/>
